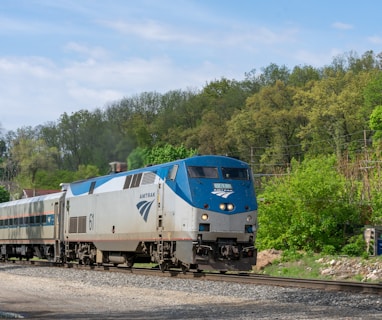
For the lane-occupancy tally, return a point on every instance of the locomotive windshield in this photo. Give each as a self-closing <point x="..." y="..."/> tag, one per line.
<point x="202" y="172"/>
<point x="212" y="173"/>
<point x="235" y="173"/>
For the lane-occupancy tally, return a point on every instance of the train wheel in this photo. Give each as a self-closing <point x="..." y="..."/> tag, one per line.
<point x="185" y="268"/>
<point x="163" y="266"/>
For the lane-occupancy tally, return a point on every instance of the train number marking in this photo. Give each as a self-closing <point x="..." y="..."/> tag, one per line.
<point x="91" y="221"/>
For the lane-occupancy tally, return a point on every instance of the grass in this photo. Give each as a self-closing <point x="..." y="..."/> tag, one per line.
<point x="305" y="267"/>
<point x="308" y="266"/>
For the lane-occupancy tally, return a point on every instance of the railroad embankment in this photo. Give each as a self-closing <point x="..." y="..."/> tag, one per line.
<point x="332" y="267"/>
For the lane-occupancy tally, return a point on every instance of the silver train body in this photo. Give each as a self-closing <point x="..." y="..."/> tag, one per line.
<point x="195" y="213"/>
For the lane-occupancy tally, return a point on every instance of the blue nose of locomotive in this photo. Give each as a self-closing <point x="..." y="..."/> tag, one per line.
<point x="219" y="184"/>
<point x="228" y="197"/>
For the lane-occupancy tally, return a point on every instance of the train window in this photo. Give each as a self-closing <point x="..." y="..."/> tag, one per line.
<point x="202" y="172"/>
<point x="21" y="221"/>
<point x="43" y="219"/>
<point x="31" y="220"/>
<point x="172" y="172"/>
<point x="38" y="219"/>
<point x="11" y="222"/>
<point x="127" y="182"/>
<point x="1" y="223"/>
<point x="92" y="186"/>
<point x="6" y="222"/>
<point x="235" y="173"/>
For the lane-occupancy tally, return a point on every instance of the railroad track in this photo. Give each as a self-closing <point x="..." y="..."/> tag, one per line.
<point x="243" y="278"/>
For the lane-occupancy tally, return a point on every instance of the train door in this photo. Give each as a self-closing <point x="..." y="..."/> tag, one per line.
<point x="160" y="221"/>
<point x="59" y="210"/>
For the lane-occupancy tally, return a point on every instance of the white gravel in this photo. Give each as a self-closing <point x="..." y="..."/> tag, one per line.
<point x="44" y="293"/>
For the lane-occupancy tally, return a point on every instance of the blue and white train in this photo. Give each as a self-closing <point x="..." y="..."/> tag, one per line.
<point x="196" y="213"/>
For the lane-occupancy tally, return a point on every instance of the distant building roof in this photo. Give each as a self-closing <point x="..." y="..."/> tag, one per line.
<point x="28" y="193"/>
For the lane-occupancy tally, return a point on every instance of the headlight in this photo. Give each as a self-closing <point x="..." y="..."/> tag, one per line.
<point x="249" y="218"/>
<point x="204" y="216"/>
<point x="226" y="206"/>
<point x="230" y="206"/>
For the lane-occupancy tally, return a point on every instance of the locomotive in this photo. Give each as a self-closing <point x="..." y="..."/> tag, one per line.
<point x="195" y="213"/>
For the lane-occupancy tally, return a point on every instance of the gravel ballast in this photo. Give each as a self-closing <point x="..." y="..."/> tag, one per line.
<point x="61" y="293"/>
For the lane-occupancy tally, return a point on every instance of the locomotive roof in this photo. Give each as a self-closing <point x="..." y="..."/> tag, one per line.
<point x="205" y="160"/>
<point x="115" y="181"/>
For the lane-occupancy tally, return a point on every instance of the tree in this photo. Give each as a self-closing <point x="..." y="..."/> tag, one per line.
<point x="221" y="99"/>
<point x="333" y="108"/>
<point x="300" y="76"/>
<point x="211" y="134"/>
<point x="168" y="153"/>
<point x="265" y="132"/>
<point x="84" y="138"/>
<point x="32" y="156"/>
<point x="4" y="194"/>
<point x="173" y="117"/>
<point x="137" y="158"/>
<point x="376" y="122"/>
<point x="273" y="73"/>
<point x="87" y="172"/>
<point x="372" y="92"/>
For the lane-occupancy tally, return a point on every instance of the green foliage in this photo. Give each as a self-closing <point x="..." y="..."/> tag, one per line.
<point x="356" y="246"/>
<point x="87" y="171"/>
<point x="329" y="249"/>
<point x="375" y="122"/>
<point x="84" y="138"/>
<point x="136" y="158"/>
<point x="51" y="180"/>
<point x="373" y="92"/>
<point x="141" y="157"/>
<point x="296" y="266"/>
<point x="32" y="156"/>
<point x="291" y="255"/>
<point x="306" y="210"/>
<point x="168" y="153"/>
<point x="46" y="179"/>
<point x="4" y="194"/>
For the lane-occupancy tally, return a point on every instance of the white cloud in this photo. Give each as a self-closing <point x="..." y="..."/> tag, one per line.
<point x="36" y="91"/>
<point x="342" y="26"/>
<point x="88" y="51"/>
<point x="317" y="59"/>
<point x="65" y="55"/>
<point x="152" y="30"/>
<point x="375" y="39"/>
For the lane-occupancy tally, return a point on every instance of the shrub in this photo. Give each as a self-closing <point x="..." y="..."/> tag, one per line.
<point x="329" y="250"/>
<point x="291" y="255"/>
<point x="355" y="247"/>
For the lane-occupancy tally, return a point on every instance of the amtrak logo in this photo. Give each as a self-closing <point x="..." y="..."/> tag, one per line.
<point x="222" y="193"/>
<point x="144" y="208"/>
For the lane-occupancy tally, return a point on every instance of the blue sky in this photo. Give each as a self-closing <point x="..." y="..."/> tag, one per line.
<point x="61" y="56"/>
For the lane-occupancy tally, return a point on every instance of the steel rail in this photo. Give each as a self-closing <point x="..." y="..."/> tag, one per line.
<point x="243" y="278"/>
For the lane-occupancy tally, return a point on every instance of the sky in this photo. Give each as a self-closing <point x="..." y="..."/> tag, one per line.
<point x="62" y="56"/>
